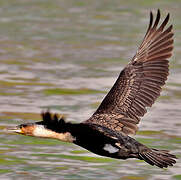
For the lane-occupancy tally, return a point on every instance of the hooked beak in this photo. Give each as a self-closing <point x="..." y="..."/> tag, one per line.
<point x="24" y="129"/>
<point x="15" y="129"/>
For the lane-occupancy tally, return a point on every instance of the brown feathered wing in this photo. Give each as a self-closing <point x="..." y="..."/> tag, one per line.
<point x="139" y="84"/>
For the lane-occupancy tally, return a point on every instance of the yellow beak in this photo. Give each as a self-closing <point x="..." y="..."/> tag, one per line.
<point x="15" y="129"/>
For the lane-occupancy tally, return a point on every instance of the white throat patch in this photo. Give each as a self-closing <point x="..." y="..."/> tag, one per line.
<point x="41" y="131"/>
<point x="110" y="148"/>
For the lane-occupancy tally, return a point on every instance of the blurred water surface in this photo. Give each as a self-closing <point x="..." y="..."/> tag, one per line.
<point x="65" y="55"/>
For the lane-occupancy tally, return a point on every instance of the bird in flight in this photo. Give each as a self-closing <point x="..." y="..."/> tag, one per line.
<point x="139" y="84"/>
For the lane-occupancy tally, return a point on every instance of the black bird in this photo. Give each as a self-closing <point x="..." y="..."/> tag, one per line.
<point x="139" y="84"/>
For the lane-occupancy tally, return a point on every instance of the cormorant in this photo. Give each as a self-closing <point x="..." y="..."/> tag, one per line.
<point x="107" y="131"/>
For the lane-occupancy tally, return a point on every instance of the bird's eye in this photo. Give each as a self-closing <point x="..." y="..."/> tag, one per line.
<point x="22" y="125"/>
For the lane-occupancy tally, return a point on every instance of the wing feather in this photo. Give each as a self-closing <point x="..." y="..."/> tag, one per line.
<point x="139" y="83"/>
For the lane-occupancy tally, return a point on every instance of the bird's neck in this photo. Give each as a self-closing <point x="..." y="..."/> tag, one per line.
<point x="75" y="133"/>
<point x="79" y="134"/>
<point x="60" y="133"/>
<point x="65" y="137"/>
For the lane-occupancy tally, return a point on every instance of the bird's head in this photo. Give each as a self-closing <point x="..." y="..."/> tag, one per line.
<point x="49" y="127"/>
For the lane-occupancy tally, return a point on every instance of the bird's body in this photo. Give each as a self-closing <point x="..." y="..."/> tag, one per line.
<point x="105" y="142"/>
<point x="107" y="131"/>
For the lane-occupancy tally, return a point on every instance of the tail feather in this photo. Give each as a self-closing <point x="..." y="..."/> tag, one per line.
<point x="160" y="158"/>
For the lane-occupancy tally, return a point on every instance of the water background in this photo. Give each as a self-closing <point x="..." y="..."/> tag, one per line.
<point x="65" y="56"/>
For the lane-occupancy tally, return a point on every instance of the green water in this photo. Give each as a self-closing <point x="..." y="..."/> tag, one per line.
<point x="65" y="55"/>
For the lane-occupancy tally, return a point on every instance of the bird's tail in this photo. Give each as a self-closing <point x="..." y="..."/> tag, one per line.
<point x="160" y="158"/>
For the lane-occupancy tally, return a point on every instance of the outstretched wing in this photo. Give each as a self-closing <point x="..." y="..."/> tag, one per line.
<point x="139" y="84"/>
